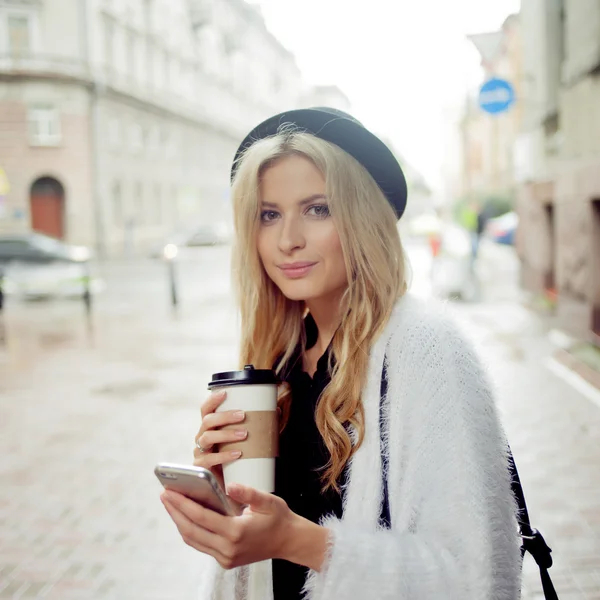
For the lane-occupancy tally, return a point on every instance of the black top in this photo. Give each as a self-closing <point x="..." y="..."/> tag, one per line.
<point x="302" y="454"/>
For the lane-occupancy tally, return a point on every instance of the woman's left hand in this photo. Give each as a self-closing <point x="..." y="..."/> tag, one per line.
<point x="261" y="532"/>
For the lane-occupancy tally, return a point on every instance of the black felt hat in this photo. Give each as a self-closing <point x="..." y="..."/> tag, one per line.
<point x="350" y="135"/>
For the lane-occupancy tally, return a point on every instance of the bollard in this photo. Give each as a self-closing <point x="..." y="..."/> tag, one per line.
<point x="169" y="253"/>
<point x="173" y="284"/>
<point x="2" y="329"/>
<point x="87" y="297"/>
<point x="1" y="289"/>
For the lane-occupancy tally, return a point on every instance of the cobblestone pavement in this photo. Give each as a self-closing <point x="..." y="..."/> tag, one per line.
<point x="83" y="421"/>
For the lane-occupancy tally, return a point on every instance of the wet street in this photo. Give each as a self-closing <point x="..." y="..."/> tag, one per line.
<point x="87" y="409"/>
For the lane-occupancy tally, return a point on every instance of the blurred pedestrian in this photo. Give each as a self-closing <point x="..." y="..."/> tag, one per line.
<point x="435" y="244"/>
<point x="392" y="480"/>
<point x="477" y="221"/>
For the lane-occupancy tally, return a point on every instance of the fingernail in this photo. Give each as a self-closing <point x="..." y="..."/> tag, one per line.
<point x="241" y="433"/>
<point x="239" y="414"/>
<point x="236" y="454"/>
<point x="219" y="394"/>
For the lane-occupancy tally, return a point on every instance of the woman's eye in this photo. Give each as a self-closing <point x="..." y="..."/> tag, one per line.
<point x="319" y="210"/>
<point x="268" y="215"/>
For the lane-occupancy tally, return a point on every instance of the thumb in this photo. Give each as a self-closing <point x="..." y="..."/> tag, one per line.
<point x="257" y="501"/>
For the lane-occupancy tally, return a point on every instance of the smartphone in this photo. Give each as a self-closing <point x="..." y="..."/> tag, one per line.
<point x="198" y="484"/>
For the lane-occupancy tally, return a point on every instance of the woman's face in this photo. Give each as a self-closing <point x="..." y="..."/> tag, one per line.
<point x="298" y="242"/>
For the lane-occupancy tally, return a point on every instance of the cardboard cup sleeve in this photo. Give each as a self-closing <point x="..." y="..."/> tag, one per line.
<point x="263" y="435"/>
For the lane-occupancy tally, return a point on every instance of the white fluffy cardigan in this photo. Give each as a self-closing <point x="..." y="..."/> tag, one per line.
<point x="454" y="531"/>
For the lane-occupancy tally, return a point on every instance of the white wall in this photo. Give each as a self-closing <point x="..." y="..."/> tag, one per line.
<point x="582" y="38"/>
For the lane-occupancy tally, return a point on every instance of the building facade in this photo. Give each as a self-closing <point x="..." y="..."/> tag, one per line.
<point x="327" y="95"/>
<point x="488" y="140"/>
<point x="119" y="118"/>
<point x="558" y="155"/>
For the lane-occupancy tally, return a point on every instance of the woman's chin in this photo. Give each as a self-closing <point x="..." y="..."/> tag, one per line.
<point x="297" y="297"/>
<point x="298" y="293"/>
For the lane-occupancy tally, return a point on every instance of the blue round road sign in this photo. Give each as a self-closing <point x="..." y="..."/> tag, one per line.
<point x="496" y="96"/>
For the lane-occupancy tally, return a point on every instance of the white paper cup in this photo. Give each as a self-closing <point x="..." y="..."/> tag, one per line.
<point x="255" y="392"/>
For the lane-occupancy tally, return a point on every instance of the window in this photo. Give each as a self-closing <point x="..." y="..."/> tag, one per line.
<point x="19" y="35"/>
<point x="166" y="69"/>
<point x="117" y="204"/>
<point x="173" y="73"/>
<point x="149" y="67"/>
<point x="109" y="42"/>
<point x="44" y="126"/>
<point x="114" y="133"/>
<point x="149" y="14"/>
<point x="174" y="205"/>
<point x="11" y="248"/>
<point x="47" y="244"/>
<point x="171" y="144"/>
<point x="159" y="67"/>
<point x="137" y="138"/>
<point x="131" y="43"/>
<point x="139" y="204"/>
<point x="152" y="141"/>
<point x="158" y="213"/>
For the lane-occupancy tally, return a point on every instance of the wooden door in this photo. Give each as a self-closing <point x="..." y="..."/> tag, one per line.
<point x="47" y="209"/>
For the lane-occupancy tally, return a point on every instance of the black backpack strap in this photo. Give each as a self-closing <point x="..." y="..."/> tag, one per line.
<point x="533" y="541"/>
<point x="385" y="520"/>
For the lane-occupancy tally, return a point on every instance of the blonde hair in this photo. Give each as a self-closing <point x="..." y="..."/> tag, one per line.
<point x="272" y="325"/>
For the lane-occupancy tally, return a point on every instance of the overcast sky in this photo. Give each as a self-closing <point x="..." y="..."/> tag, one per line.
<point x="405" y="64"/>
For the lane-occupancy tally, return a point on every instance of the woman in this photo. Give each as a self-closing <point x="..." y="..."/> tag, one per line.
<point x="321" y="285"/>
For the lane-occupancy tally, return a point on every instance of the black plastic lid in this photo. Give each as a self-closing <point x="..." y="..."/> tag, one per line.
<point x="249" y="376"/>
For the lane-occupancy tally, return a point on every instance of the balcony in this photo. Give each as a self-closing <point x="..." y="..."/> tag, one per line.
<point x="44" y="66"/>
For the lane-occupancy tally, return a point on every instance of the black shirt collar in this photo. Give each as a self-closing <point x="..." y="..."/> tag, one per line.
<point x="311" y="331"/>
<point x="295" y="368"/>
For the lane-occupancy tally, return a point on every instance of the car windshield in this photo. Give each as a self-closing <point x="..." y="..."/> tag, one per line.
<point x="47" y="244"/>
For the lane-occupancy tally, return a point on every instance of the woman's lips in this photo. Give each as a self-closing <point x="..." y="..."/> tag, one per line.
<point x="296" y="270"/>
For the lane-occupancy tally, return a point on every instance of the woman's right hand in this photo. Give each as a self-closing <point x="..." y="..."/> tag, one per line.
<point x="209" y="436"/>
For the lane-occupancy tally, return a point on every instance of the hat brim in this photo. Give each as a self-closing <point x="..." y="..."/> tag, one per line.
<point x="351" y="137"/>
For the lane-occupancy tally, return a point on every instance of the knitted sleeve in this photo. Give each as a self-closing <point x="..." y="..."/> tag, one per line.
<point x="454" y="533"/>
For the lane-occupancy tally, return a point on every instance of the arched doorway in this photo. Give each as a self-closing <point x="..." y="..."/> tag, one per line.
<point x="47" y="206"/>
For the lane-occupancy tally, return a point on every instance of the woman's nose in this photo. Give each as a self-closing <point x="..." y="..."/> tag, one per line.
<point x="291" y="236"/>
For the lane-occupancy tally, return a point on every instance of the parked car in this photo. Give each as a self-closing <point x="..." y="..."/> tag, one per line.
<point x="39" y="249"/>
<point x="201" y="235"/>
<point x="502" y="229"/>
<point x="36" y="266"/>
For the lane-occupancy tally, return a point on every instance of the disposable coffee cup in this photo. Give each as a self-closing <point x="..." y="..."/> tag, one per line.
<point x="255" y="392"/>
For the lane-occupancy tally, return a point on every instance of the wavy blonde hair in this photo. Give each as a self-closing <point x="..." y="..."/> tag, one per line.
<point x="272" y="325"/>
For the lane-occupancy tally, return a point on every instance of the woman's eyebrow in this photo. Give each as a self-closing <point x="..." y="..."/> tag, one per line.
<point x="300" y="203"/>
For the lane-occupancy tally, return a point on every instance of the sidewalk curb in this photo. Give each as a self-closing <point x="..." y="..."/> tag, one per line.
<point x="579" y="367"/>
<point x="573" y="379"/>
<point x="563" y="342"/>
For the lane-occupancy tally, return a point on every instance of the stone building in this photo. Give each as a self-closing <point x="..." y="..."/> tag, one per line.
<point x="119" y="118"/>
<point x="558" y="159"/>
<point x="488" y="140"/>
<point x="327" y="95"/>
